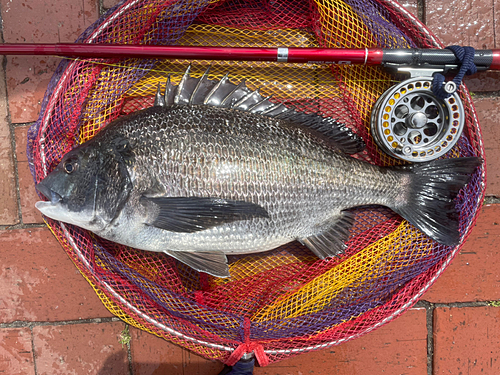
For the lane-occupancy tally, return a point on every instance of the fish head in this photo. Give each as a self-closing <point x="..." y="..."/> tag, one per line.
<point x="87" y="188"/>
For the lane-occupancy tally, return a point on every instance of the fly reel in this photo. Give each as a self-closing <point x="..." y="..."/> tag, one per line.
<point x="410" y="123"/>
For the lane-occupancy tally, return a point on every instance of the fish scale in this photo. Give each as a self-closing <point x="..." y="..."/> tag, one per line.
<point x="238" y="174"/>
<point x="268" y="167"/>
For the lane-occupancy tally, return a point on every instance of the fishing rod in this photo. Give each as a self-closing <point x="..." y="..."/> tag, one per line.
<point x="483" y="59"/>
<point x="417" y="120"/>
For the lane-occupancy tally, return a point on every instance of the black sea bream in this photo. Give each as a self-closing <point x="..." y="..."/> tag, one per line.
<point x="214" y="169"/>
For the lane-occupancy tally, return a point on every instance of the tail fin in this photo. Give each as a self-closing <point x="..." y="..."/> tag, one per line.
<point x="433" y="187"/>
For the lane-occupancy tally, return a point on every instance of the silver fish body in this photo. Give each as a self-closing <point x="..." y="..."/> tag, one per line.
<point x="199" y="181"/>
<point x="233" y="155"/>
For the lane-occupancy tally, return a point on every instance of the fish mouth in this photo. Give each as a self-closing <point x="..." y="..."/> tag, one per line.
<point x="55" y="207"/>
<point x="54" y="199"/>
<point x="50" y="194"/>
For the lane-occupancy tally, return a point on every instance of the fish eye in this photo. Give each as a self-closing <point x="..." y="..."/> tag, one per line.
<point x="70" y="166"/>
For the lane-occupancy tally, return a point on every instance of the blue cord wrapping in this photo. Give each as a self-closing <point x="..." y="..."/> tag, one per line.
<point x="465" y="56"/>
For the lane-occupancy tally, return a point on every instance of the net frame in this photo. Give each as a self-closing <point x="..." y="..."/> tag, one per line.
<point x="84" y="249"/>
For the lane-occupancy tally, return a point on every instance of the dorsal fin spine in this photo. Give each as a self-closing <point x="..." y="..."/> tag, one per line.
<point x="271" y="109"/>
<point x="216" y="87"/>
<point x="239" y="86"/>
<point x="159" y="98"/>
<point x="167" y="90"/>
<point x="181" y="85"/>
<point x="200" y="83"/>
<point x="259" y="103"/>
<point x="246" y="97"/>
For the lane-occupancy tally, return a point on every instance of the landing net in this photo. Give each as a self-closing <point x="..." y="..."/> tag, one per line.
<point x="283" y="302"/>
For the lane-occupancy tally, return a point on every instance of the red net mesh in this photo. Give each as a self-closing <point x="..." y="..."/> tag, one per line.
<point x="282" y="302"/>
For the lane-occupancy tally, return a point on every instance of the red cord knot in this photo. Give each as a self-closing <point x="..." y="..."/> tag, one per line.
<point x="255" y="347"/>
<point x="248" y="347"/>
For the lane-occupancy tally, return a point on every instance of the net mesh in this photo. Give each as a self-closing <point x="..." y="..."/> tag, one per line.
<point x="286" y="301"/>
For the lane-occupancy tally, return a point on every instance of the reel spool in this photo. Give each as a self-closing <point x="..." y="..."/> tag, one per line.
<point x="410" y="123"/>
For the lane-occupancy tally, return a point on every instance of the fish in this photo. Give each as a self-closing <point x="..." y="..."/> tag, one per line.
<point x="214" y="169"/>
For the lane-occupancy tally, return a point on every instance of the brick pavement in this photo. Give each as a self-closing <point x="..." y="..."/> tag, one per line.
<point x="51" y="321"/>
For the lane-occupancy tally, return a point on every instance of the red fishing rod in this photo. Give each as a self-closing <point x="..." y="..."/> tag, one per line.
<point x="484" y="59"/>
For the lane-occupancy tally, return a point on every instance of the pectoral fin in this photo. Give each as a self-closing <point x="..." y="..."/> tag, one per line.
<point x="211" y="262"/>
<point x="193" y="214"/>
<point x="331" y="241"/>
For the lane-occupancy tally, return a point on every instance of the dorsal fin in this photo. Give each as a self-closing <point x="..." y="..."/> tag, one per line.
<point x="333" y="132"/>
<point x="223" y="93"/>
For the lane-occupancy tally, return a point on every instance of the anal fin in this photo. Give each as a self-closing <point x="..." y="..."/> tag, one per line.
<point x="331" y="241"/>
<point x="212" y="262"/>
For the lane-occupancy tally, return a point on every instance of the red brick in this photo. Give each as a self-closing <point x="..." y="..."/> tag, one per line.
<point x="8" y="205"/>
<point x="411" y="6"/>
<point x="28" y="195"/>
<point x="483" y="81"/>
<point x="488" y="111"/>
<point x="400" y="347"/>
<point x="8" y="198"/>
<point x="38" y="282"/>
<point x="80" y="349"/>
<point x="153" y="355"/>
<point x="42" y="22"/>
<point x="16" y="357"/>
<point x="474" y="275"/>
<point x="462" y="22"/>
<point x="108" y="4"/>
<point x="467" y="340"/>
<point x="27" y="81"/>
<point x="21" y="136"/>
<point x="27" y="189"/>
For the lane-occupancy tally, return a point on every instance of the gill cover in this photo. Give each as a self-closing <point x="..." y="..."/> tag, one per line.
<point x="113" y="181"/>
